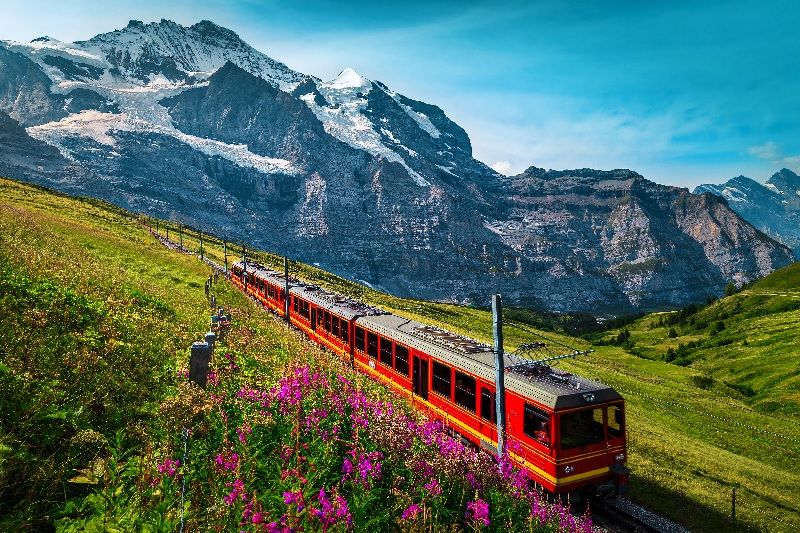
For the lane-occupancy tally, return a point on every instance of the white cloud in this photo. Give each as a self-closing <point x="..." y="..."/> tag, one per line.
<point x="503" y="167"/>
<point x="770" y="151"/>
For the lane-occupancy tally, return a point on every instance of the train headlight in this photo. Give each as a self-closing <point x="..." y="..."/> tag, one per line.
<point x="620" y="457"/>
<point x="589" y="397"/>
<point x="568" y="469"/>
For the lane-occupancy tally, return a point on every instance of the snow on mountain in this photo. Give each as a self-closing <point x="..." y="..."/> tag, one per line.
<point x="349" y="79"/>
<point x="146" y="54"/>
<point x="99" y="126"/>
<point x="344" y="118"/>
<point x="772" y="207"/>
<point x="138" y="66"/>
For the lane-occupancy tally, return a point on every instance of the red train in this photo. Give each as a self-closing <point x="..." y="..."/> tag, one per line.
<point x="566" y="431"/>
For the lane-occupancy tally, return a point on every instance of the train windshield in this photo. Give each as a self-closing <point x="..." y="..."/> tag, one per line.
<point x="586" y="427"/>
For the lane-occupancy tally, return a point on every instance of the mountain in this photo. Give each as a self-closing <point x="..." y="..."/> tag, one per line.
<point x="774" y="207"/>
<point x="192" y="123"/>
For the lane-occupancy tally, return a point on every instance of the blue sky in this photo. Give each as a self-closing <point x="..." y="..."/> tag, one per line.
<point x="682" y="92"/>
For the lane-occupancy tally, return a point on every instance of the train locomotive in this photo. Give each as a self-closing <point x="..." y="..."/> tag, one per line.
<point x="566" y="431"/>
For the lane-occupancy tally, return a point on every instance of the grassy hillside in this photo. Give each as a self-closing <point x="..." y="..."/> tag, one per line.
<point x="97" y="316"/>
<point x="746" y="345"/>
<point x="693" y="436"/>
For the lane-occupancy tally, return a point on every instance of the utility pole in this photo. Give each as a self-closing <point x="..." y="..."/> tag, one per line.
<point x="286" y="286"/>
<point x="225" y="253"/>
<point x="201" y="245"/>
<point x="167" y="226"/>
<point x="499" y="367"/>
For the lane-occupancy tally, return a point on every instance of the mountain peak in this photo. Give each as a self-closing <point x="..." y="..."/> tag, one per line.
<point x="210" y="29"/>
<point x="348" y="79"/>
<point x="785" y="181"/>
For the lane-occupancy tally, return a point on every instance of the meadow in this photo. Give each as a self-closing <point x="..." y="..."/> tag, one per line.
<point x="92" y="392"/>
<point x="101" y="430"/>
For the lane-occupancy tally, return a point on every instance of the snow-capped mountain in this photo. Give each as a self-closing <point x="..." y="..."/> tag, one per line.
<point x="194" y="124"/>
<point x="773" y="207"/>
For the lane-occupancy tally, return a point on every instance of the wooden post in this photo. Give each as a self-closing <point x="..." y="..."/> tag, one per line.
<point x="211" y="338"/>
<point x="225" y="252"/>
<point x="499" y="367"/>
<point x="198" y="363"/>
<point x="286" y="287"/>
<point x="201" y="245"/>
<point x="167" y="226"/>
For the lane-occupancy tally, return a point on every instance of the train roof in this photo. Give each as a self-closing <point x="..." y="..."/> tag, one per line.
<point x="548" y="386"/>
<point x="335" y="303"/>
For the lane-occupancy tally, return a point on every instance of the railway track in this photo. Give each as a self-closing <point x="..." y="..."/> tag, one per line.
<point x="622" y="515"/>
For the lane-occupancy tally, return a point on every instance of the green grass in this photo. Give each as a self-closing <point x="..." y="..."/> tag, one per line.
<point x="693" y="433"/>
<point x="745" y="345"/>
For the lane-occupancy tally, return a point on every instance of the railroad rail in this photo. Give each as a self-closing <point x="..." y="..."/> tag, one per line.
<point x="622" y="515"/>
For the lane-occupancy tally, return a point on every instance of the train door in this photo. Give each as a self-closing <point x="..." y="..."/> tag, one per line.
<point x="314" y="318"/>
<point x="421" y="377"/>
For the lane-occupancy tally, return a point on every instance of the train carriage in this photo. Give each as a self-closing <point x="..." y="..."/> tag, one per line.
<point x="566" y="431"/>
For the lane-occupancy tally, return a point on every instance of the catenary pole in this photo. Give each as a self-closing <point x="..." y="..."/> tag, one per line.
<point x="286" y="287"/>
<point x="499" y="366"/>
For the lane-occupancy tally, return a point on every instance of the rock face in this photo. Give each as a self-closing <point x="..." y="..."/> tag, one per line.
<point x="193" y="124"/>
<point x="774" y="207"/>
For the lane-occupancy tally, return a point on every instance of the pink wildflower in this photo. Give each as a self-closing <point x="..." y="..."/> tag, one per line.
<point x="411" y="512"/>
<point x="433" y="487"/>
<point x="169" y="467"/>
<point x="478" y="512"/>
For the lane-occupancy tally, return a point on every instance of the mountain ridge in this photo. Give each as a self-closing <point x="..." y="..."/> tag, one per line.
<point x="193" y="123"/>
<point x="772" y="207"/>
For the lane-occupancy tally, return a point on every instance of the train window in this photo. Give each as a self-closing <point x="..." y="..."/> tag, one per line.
<point x="335" y="328"/>
<point x="537" y="424"/>
<point x="305" y="309"/>
<point x="386" y="352"/>
<point x="465" y="391"/>
<point x="359" y="338"/>
<point x="616" y="421"/>
<point x="401" y="359"/>
<point x="488" y="405"/>
<point x="294" y="305"/>
<point x="581" y="428"/>
<point x="327" y="321"/>
<point x="441" y="379"/>
<point x="344" y="326"/>
<point x="372" y="345"/>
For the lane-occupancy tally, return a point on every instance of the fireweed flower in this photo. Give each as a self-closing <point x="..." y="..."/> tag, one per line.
<point x="411" y="512"/>
<point x="169" y="467"/>
<point x="227" y="461"/>
<point x="478" y="512"/>
<point x="213" y="379"/>
<point x="294" y="498"/>
<point x="433" y="488"/>
<point x="330" y="512"/>
<point x="237" y="491"/>
<point x="243" y="432"/>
